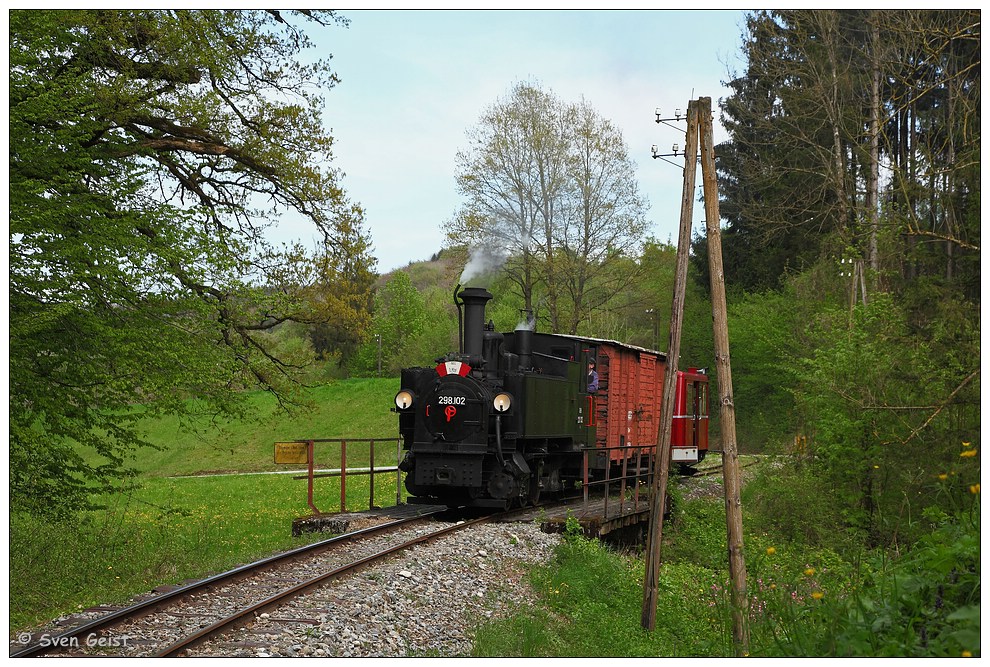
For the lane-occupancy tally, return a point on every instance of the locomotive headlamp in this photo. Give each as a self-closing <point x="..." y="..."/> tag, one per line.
<point x="502" y="402"/>
<point x="404" y="399"/>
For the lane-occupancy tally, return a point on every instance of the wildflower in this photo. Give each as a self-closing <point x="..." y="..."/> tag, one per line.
<point x="876" y="467"/>
<point x="967" y="444"/>
<point x="810" y="572"/>
<point x="771" y="551"/>
<point x="968" y="453"/>
<point x="967" y="654"/>
<point x="818" y="595"/>
<point x="943" y="477"/>
<point x="974" y="489"/>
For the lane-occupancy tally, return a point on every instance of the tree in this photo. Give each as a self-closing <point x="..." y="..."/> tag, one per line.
<point x="606" y="219"/>
<point x="514" y="177"/>
<point x="551" y="187"/>
<point x="149" y="151"/>
<point x="399" y="320"/>
<point x="852" y="133"/>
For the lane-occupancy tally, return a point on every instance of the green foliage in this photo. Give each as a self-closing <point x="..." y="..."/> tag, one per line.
<point x="761" y="330"/>
<point x="407" y="328"/>
<point x="592" y="601"/>
<point x="857" y="386"/>
<point x="793" y="502"/>
<point x="148" y="152"/>
<point x="924" y="603"/>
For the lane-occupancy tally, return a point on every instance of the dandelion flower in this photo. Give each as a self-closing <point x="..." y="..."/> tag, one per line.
<point x="968" y="454"/>
<point x="974" y="489"/>
<point x="943" y="477"/>
<point x="771" y="551"/>
<point x="967" y="654"/>
<point x="810" y="572"/>
<point x="967" y="444"/>
<point x="818" y="595"/>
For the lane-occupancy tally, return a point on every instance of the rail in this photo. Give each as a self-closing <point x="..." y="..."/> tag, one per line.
<point x="343" y="472"/>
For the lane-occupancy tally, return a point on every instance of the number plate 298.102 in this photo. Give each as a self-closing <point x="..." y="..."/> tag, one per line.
<point x="451" y="400"/>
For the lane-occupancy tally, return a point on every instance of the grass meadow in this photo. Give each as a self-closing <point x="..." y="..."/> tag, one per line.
<point x="177" y="519"/>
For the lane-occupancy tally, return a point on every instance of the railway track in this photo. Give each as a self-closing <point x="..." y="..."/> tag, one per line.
<point x="183" y="620"/>
<point x="173" y="623"/>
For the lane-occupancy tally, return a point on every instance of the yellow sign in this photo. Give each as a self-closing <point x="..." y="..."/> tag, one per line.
<point x="291" y="452"/>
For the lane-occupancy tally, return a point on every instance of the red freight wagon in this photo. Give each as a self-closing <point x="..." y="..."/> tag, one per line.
<point x="630" y="392"/>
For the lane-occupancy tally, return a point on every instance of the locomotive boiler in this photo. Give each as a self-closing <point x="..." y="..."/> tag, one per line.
<point x="511" y="416"/>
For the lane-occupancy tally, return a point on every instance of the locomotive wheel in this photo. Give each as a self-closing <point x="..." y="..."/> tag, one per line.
<point x="502" y="486"/>
<point x="534" y="489"/>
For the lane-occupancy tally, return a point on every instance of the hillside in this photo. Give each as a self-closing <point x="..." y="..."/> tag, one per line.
<point x="355" y="408"/>
<point x="442" y="270"/>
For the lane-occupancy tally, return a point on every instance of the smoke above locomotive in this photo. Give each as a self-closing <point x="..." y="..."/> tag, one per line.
<point x="483" y="262"/>
<point x="509" y="416"/>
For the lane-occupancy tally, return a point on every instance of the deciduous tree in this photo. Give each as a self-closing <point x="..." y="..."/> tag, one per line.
<point x="550" y="185"/>
<point x="149" y="151"/>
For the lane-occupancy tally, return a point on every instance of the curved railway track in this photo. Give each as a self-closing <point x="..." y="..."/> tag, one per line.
<point x="172" y="623"/>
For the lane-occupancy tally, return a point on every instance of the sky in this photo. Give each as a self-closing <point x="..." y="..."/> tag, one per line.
<point x="413" y="82"/>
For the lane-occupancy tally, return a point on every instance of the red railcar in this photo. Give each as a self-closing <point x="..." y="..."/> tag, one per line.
<point x="629" y="398"/>
<point x="689" y="436"/>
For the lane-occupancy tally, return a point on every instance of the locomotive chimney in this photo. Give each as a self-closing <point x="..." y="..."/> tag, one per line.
<point x="524" y="339"/>
<point x="474" y="300"/>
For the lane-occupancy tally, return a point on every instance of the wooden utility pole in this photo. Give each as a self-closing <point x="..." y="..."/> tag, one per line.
<point x="662" y="461"/>
<point x="727" y="410"/>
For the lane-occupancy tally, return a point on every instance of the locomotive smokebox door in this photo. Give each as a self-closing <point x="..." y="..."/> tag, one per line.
<point x="454" y="412"/>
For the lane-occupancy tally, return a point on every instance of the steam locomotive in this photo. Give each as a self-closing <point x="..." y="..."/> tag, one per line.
<point x="512" y="415"/>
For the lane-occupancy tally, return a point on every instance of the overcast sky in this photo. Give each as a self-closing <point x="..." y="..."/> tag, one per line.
<point x="413" y="82"/>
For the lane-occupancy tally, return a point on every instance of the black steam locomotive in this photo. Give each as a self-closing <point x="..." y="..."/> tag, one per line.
<point x="510" y="416"/>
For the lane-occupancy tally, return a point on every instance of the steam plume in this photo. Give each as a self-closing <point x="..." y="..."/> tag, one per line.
<point x="483" y="261"/>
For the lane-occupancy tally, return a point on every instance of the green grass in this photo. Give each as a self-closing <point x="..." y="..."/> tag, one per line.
<point x="356" y="408"/>
<point x="577" y="618"/>
<point x="163" y="531"/>
<point x="804" y="599"/>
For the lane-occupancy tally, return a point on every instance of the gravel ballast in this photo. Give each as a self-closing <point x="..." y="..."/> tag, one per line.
<point x="426" y="601"/>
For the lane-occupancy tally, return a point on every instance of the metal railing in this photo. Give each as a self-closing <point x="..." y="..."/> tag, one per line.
<point x="640" y="456"/>
<point x="637" y="463"/>
<point x="343" y="473"/>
